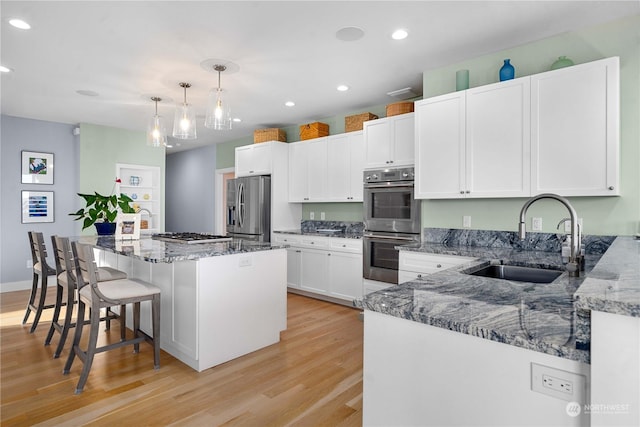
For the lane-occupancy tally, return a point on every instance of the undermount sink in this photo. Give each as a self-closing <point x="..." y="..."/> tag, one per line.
<point x="518" y="274"/>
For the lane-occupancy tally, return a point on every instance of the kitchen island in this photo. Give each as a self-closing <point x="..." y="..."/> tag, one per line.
<point x="219" y="301"/>
<point x="459" y="349"/>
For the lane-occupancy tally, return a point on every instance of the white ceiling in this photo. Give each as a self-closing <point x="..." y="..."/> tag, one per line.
<point x="288" y="50"/>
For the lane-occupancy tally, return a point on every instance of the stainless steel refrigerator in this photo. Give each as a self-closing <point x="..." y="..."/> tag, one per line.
<point x="249" y="208"/>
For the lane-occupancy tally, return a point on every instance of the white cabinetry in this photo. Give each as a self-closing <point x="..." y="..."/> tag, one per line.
<point x="389" y="141"/>
<point x="345" y="160"/>
<point x="413" y="265"/>
<point x="324" y="266"/>
<point x="143" y="185"/>
<point x="308" y="170"/>
<point x="255" y="159"/>
<point x="574" y="128"/>
<point x="474" y="143"/>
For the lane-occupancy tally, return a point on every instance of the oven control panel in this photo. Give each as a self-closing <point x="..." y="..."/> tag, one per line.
<point x="389" y="175"/>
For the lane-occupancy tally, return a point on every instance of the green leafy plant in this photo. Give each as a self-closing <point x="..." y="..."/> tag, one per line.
<point x="99" y="208"/>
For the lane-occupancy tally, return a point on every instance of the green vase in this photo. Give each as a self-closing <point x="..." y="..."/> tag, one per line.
<point x="561" y="62"/>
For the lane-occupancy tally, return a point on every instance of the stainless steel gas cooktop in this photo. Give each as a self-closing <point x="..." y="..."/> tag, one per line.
<point x="190" y="238"/>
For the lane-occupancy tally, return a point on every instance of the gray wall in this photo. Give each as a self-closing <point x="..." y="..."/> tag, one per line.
<point x="189" y="190"/>
<point x="19" y="134"/>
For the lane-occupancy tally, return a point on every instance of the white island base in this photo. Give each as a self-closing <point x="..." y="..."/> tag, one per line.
<point x="217" y="308"/>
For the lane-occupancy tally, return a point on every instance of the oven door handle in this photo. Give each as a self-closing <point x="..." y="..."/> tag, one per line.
<point x="390" y="185"/>
<point x="377" y="236"/>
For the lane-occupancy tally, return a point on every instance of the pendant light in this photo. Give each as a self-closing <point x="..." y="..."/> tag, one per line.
<point x="184" y="122"/>
<point x="218" y="113"/>
<point x="156" y="131"/>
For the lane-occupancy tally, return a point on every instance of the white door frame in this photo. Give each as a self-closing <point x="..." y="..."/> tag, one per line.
<point x="220" y="214"/>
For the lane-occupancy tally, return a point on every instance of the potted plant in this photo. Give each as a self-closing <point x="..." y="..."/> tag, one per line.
<point x="101" y="211"/>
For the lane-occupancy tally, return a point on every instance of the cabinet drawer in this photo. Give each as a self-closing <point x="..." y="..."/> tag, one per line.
<point x="429" y="263"/>
<point x="287" y="239"/>
<point x="346" y="245"/>
<point x="410" y="276"/>
<point x="314" y="242"/>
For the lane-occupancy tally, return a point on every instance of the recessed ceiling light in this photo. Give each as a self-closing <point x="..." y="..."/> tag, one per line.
<point x="237" y="119"/>
<point x="19" y="23"/>
<point x="87" y="92"/>
<point x="290" y="103"/>
<point x="4" y="69"/>
<point x="343" y="88"/>
<point x="399" y="34"/>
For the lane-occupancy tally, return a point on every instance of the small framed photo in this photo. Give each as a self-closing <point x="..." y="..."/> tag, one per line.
<point x="37" y="168"/>
<point x="128" y="227"/>
<point x="37" y="206"/>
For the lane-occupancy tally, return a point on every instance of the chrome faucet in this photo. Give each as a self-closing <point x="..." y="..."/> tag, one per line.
<point x="573" y="266"/>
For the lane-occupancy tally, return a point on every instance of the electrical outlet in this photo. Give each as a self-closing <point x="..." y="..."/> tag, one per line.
<point x="556" y="383"/>
<point x="536" y="224"/>
<point x="312" y="215"/>
<point x="466" y="221"/>
<point x="322" y="216"/>
<point x="29" y="263"/>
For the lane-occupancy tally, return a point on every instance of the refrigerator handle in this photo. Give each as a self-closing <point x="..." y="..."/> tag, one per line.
<point x="240" y="204"/>
<point x="231" y="215"/>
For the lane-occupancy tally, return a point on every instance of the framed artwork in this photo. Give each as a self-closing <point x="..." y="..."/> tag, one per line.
<point x="37" y="206"/>
<point x="128" y="227"/>
<point x="37" y="168"/>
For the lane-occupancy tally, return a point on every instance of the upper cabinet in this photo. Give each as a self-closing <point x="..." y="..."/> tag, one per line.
<point x="574" y="130"/>
<point x="345" y="166"/>
<point x="389" y="142"/>
<point x="142" y="183"/>
<point x="255" y="159"/>
<point x="552" y="132"/>
<point x="327" y="169"/>
<point x="474" y="143"/>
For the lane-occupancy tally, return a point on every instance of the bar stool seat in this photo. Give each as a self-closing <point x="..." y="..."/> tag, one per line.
<point x="66" y="283"/>
<point x="41" y="273"/>
<point x="98" y="295"/>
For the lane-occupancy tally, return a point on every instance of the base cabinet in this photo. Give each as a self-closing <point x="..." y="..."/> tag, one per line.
<point x="414" y="265"/>
<point x="324" y="266"/>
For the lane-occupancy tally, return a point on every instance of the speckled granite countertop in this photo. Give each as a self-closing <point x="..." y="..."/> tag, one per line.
<point x="151" y="250"/>
<point x="345" y="230"/>
<point x="550" y="318"/>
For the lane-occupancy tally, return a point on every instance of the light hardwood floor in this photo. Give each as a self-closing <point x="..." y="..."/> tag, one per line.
<point x="312" y="377"/>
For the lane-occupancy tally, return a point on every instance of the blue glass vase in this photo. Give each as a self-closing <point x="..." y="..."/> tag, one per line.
<point x="507" y="72"/>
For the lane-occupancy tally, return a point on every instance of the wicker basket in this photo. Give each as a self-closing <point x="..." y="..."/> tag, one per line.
<point x="313" y="130"/>
<point x="271" y="134"/>
<point x="354" y="123"/>
<point x="402" y="107"/>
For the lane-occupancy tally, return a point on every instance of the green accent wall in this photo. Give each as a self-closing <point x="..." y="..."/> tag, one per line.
<point x="101" y="147"/>
<point x="602" y="215"/>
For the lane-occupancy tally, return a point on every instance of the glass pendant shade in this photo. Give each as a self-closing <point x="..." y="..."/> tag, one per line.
<point x="218" y="112"/>
<point x="184" y="122"/>
<point x="156" y="130"/>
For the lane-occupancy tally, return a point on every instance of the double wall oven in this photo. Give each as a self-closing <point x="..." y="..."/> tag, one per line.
<point x="391" y="218"/>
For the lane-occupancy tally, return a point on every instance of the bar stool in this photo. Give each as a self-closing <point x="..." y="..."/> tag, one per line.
<point x="66" y="283"/>
<point x="98" y="295"/>
<point x="41" y="273"/>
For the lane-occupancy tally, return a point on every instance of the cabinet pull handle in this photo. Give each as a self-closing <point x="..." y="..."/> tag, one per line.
<point x="611" y="187"/>
<point x="467" y="191"/>
<point x="461" y="192"/>
<point x="439" y="266"/>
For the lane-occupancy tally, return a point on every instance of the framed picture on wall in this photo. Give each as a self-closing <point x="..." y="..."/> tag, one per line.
<point x="128" y="227"/>
<point x="37" y="206"/>
<point x="37" y="168"/>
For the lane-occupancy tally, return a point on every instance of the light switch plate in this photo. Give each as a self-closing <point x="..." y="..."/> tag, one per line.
<point x="536" y="224"/>
<point x="466" y="221"/>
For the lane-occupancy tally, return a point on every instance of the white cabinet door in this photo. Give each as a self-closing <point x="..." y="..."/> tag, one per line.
<point x="253" y="159"/>
<point x="440" y="128"/>
<point x="317" y="169"/>
<point x="313" y="277"/>
<point x="498" y="140"/>
<point x="294" y="267"/>
<point x="345" y="275"/>
<point x="575" y="130"/>
<point x="474" y="143"/>
<point x="298" y="172"/>
<point x="345" y="163"/>
<point x="389" y="141"/>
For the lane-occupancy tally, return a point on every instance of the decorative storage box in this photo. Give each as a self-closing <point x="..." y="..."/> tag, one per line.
<point x="313" y="130"/>
<point x="402" y="107"/>
<point x="271" y="134"/>
<point x="354" y="123"/>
